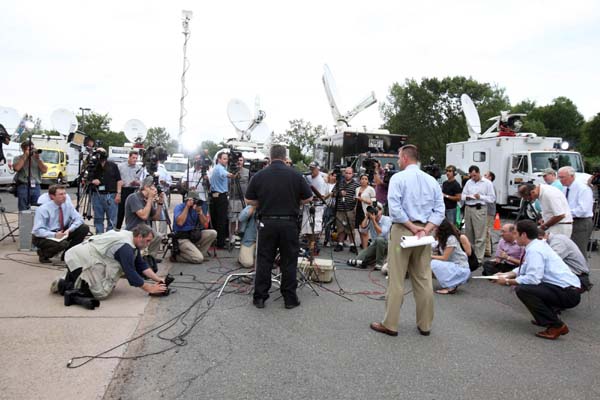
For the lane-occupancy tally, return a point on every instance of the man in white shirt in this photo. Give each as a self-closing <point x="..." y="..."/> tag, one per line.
<point x="556" y="216"/>
<point x="476" y="194"/>
<point x="317" y="183"/>
<point x="581" y="204"/>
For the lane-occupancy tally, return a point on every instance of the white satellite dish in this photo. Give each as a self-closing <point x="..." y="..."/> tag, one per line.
<point x="64" y="121"/>
<point x="135" y="131"/>
<point x="343" y="120"/>
<point x="244" y="122"/>
<point x="9" y="117"/>
<point x="471" y="115"/>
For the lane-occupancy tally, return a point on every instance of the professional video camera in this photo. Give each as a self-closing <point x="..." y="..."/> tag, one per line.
<point x="234" y="157"/>
<point x="152" y="156"/>
<point x="388" y="172"/>
<point x="256" y="165"/>
<point x="369" y="164"/>
<point x="433" y="168"/>
<point x="4" y="139"/>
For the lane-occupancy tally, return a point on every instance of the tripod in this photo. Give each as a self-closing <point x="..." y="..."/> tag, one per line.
<point x="10" y="229"/>
<point x="236" y="193"/>
<point x="86" y="200"/>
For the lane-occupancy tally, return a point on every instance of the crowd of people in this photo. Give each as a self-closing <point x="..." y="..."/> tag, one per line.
<point x="369" y="213"/>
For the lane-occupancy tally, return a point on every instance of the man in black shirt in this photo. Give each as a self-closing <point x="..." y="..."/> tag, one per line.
<point x="105" y="189"/>
<point x="346" y="203"/>
<point x="277" y="191"/>
<point x="451" y="190"/>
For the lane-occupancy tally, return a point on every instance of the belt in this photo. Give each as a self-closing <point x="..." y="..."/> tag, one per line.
<point x="565" y="223"/>
<point x="220" y="193"/>
<point x="578" y="290"/>
<point x="479" y="205"/>
<point x="414" y="222"/>
<point x="280" y="217"/>
<point x="105" y="192"/>
<point x="574" y="218"/>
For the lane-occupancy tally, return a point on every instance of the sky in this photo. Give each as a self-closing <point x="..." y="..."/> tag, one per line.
<point x="125" y="58"/>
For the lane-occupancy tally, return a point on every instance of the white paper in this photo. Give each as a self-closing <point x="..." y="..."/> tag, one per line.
<point x="413" y="241"/>
<point x="490" y="277"/>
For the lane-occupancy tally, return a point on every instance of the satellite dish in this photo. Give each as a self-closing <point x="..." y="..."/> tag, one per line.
<point x="343" y="120"/>
<point x="135" y="131"/>
<point x="471" y="115"/>
<point x="64" y="121"/>
<point x="244" y="122"/>
<point x="9" y="117"/>
<point x="239" y="115"/>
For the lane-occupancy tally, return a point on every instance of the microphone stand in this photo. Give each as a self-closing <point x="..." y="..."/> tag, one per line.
<point x="29" y="144"/>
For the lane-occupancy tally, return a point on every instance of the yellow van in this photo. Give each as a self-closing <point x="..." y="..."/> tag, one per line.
<point x="57" y="161"/>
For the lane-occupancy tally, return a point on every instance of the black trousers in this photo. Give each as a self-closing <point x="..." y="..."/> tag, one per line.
<point x="125" y="193"/>
<point x="282" y="235"/>
<point x="544" y="299"/>
<point x="49" y="248"/>
<point x="218" y="215"/>
<point x="491" y="267"/>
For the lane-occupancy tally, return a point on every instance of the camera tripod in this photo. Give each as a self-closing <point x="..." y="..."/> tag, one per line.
<point x="236" y="193"/>
<point x="86" y="200"/>
<point x="10" y="229"/>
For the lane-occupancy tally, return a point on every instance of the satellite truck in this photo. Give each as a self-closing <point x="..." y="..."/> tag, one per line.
<point x="515" y="157"/>
<point x="356" y="147"/>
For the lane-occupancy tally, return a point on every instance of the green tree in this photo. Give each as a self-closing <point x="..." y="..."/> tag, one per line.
<point x="301" y="138"/>
<point x="211" y="146"/>
<point x="159" y="137"/>
<point x="530" y="123"/>
<point x="97" y="126"/>
<point x="430" y="112"/>
<point x="561" y="119"/>
<point x="591" y="137"/>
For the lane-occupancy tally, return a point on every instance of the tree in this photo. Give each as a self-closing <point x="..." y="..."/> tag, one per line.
<point x="301" y="138"/>
<point x="530" y="123"/>
<point x="591" y="137"/>
<point x="430" y="112"/>
<point x="159" y="137"/>
<point x="97" y="126"/>
<point x="561" y="119"/>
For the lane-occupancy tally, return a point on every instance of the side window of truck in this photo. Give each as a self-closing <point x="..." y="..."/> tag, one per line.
<point x="479" y="156"/>
<point x="519" y="164"/>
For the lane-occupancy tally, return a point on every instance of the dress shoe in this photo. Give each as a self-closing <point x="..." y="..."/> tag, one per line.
<point x="259" y="303"/>
<point x="553" y="333"/>
<point x="289" y="306"/>
<point x="422" y="332"/>
<point x="338" y="247"/>
<point x="376" y="326"/>
<point x="45" y="260"/>
<point x="353" y="249"/>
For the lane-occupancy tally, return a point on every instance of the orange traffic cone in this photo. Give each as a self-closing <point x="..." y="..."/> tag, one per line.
<point x="497" y="222"/>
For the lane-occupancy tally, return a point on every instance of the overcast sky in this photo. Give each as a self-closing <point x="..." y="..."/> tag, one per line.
<point x="125" y="57"/>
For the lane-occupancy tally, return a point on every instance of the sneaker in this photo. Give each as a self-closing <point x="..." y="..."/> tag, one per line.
<point x="378" y="267"/>
<point x="384" y="269"/>
<point x="353" y="249"/>
<point x="338" y="247"/>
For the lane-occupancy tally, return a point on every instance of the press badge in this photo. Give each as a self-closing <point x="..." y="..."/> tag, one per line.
<point x="215" y="195"/>
<point x="102" y="188"/>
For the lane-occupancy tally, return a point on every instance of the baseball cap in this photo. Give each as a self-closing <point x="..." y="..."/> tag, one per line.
<point x="548" y="171"/>
<point x="313" y="164"/>
<point x="192" y="194"/>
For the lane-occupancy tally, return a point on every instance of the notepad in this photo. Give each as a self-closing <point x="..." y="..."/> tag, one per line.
<point x="413" y="241"/>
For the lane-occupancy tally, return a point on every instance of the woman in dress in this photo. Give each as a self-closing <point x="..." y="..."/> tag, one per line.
<point x="451" y="266"/>
<point x="364" y="196"/>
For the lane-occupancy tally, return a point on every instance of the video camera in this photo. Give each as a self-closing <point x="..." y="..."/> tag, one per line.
<point x="94" y="156"/>
<point x="369" y="165"/>
<point x="372" y="208"/>
<point x="388" y="172"/>
<point x="204" y="164"/>
<point x="256" y="165"/>
<point x="433" y="168"/>
<point x="234" y="157"/>
<point x="152" y="156"/>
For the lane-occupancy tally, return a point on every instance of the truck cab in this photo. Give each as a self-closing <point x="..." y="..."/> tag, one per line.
<point x="57" y="161"/>
<point x="176" y="166"/>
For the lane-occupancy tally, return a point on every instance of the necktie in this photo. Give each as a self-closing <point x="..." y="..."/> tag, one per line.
<point x="521" y="262"/>
<point x="61" y="218"/>
<point x="567" y="195"/>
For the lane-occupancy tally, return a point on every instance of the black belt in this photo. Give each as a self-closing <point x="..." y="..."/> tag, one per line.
<point x="280" y="217"/>
<point x="578" y="290"/>
<point x="575" y="218"/>
<point x="414" y="222"/>
<point x="478" y="205"/>
<point x="565" y="223"/>
<point x="220" y="193"/>
<point x="105" y="192"/>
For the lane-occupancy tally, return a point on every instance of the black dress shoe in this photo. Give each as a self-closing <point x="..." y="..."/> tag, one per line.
<point x="259" y="303"/>
<point x="44" y="260"/>
<point x="422" y="332"/>
<point x="289" y="306"/>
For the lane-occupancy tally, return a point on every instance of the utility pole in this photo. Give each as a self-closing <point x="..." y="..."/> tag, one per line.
<point x="186" y="16"/>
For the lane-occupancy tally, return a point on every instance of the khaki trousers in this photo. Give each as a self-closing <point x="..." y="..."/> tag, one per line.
<point x="417" y="261"/>
<point x="246" y="257"/>
<point x="475" y="228"/>
<point x="193" y="253"/>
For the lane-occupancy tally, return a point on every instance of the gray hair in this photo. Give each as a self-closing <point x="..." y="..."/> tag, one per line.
<point x="526" y="189"/>
<point x="278" y="152"/>
<point x="142" y="230"/>
<point x="569" y="170"/>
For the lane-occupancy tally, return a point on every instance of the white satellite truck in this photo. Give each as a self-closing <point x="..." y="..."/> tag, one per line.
<point x="514" y="157"/>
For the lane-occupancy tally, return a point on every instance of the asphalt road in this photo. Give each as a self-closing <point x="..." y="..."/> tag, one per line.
<point x="482" y="345"/>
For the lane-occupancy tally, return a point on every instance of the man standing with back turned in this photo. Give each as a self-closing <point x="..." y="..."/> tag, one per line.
<point x="277" y="191"/>
<point x="416" y="208"/>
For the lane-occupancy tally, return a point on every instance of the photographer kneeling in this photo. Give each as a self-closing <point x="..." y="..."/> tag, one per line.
<point x="95" y="266"/>
<point x="378" y="226"/>
<point x="247" y="220"/>
<point x="193" y="239"/>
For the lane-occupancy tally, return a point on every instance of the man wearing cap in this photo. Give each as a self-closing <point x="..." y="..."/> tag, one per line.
<point x="28" y="189"/>
<point x="378" y="226"/>
<point x="312" y="214"/>
<point x="581" y="203"/>
<point x="550" y="178"/>
<point x="106" y="191"/>
<point x="189" y="223"/>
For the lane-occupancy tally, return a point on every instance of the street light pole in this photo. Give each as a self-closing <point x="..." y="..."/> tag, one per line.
<point x="83" y="110"/>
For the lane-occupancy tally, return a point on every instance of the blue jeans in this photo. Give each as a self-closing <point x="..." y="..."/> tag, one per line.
<point x="104" y="204"/>
<point x="451" y="216"/>
<point x="23" y="201"/>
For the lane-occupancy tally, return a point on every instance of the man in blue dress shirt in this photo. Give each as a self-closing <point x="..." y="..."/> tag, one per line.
<point x="219" y="183"/>
<point x="57" y="225"/>
<point x="416" y="207"/>
<point x="544" y="283"/>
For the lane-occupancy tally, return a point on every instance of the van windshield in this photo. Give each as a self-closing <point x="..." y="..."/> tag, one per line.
<point x="175" y="167"/>
<point x="540" y="161"/>
<point x="49" y="156"/>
